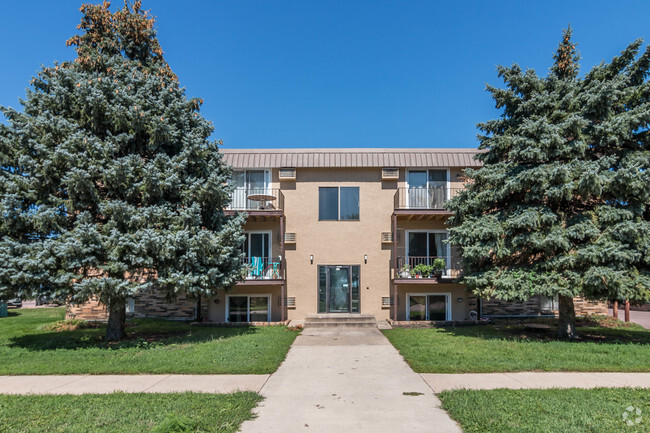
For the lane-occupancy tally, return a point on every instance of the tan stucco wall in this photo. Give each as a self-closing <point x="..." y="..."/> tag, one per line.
<point x="459" y="310"/>
<point x="338" y="242"/>
<point x="217" y="311"/>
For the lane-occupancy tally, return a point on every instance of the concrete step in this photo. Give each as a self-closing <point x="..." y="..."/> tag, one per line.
<point x="340" y="320"/>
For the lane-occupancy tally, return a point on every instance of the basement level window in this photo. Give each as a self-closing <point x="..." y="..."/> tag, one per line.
<point x="338" y="203"/>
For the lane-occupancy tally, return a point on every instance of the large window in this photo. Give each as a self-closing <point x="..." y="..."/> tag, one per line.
<point x="249" y="308"/>
<point x="338" y="203"/>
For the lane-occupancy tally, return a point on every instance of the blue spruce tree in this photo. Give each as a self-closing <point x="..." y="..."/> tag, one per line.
<point x="109" y="184"/>
<point x="560" y="206"/>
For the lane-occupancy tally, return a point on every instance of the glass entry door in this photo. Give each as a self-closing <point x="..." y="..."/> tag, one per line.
<point x="338" y="290"/>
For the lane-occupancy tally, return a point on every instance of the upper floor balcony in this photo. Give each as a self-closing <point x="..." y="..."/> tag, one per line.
<point x="263" y="270"/>
<point x="427" y="269"/>
<point x="257" y="202"/>
<point x="413" y="201"/>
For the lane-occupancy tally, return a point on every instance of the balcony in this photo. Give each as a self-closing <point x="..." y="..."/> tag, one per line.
<point x="259" y="203"/>
<point x="405" y="271"/>
<point x="428" y="200"/>
<point x="263" y="270"/>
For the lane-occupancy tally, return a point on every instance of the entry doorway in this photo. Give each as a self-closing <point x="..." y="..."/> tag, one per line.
<point x="338" y="289"/>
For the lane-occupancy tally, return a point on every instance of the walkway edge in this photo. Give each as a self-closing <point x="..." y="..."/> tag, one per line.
<point x="146" y="383"/>
<point x="535" y="380"/>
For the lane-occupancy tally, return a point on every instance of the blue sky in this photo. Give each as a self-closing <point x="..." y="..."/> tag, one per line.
<point x="326" y="73"/>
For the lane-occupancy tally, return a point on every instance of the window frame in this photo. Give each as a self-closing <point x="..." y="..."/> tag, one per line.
<point x="338" y="202"/>
<point x="447" y="295"/>
<point x="248" y="305"/>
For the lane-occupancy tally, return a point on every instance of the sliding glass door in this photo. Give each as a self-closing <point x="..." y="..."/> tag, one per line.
<point x="427" y="189"/>
<point x="425" y="246"/>
<point x="247" y="183"/>
<point x="430" y="307"/>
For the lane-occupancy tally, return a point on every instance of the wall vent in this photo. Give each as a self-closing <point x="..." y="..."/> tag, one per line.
<point x="289" y="238"/>
<point x="386" y="301"/>
<point x="389" y="173"/>
<point x="287" y="174"/>
<point x="387" y="237"/>
<point x="290" y="302"/>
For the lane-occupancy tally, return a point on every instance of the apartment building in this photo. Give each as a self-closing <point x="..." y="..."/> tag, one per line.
<point x="343" y="231"/>
<point x="332" y="231"/>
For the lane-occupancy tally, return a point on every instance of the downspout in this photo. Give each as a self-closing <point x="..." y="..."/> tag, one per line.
<point x="284" y="271"/>
<point x="394" y="221"/>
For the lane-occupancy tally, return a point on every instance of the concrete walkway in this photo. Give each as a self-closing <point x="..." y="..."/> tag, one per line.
<point x="347" y="379"/>
<point x="151" y="383"/>
<point x="640" y="317"/>
<point x="522" y="380"/>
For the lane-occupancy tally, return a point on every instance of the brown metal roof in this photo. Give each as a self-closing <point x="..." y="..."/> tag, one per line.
<point x="277" y="158"/>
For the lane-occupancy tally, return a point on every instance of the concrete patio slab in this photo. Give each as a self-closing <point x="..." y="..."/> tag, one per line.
<point x="347" y="379"/>
<point x="535" y="380"/>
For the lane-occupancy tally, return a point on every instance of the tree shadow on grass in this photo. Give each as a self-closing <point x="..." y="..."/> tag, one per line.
<point x="144" y="338"/>
<point x="516" y="330"/>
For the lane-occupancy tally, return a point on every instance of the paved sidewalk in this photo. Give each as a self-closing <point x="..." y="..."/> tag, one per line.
<point x="150" y="383"/>
<point x="522" y="380"/>
<point x="347" y="379"/>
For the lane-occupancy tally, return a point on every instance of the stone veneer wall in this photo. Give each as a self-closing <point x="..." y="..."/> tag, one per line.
<point x="151" y="304"/>
<point x="532" y="307"/>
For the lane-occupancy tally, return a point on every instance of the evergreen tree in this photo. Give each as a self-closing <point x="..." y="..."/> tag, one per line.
<point x="560" y="204"/>
<point x="109" y="184"/>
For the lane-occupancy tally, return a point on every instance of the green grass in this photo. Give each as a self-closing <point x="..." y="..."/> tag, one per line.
<point x="510" y="347"/>
<point x="29" y="346"/>
<point x="550" y="410"/>
<point x="122" y="413"/>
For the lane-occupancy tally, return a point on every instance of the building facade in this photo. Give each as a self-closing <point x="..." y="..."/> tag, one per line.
<point x="333" y="231"/>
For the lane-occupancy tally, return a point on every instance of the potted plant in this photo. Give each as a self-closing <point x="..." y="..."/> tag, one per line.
<point x="439" y="266"/>
<point x="405" y="272"/>
<point x="422" y="270"/>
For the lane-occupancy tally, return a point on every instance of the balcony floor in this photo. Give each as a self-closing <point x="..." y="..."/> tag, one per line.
<point x="261" y="282"/>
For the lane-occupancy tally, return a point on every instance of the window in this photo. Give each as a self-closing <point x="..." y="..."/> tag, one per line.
<point x="429" y="306"/>
<point x="548" y="304"/>
<point x="248" y="308"/>
<point x="338" y="203"/>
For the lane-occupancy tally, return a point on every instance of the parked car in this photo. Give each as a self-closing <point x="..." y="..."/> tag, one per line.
<point x="16" y="303"/>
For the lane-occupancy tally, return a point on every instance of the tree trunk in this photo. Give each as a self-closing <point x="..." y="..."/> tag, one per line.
<point x="567" y="325"/>
<point x="116" y="320"/>
<point x="615" y="309"/>
<point x="627" y="310"/>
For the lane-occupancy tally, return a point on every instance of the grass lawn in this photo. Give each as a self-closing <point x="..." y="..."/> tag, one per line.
<point x="508" y="346"/>
<point x="28" y="345"/>
<point x="122" y="413"/>
<point x="548" y="410"/>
